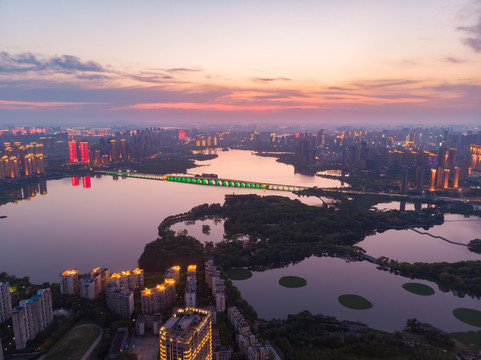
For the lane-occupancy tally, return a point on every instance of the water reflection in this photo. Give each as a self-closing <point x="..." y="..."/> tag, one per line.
<point x="410" y="246"/>
<point x="328" y="278"/>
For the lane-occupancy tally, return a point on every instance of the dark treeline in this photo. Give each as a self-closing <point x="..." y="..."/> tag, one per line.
<point x="308" y="336"/>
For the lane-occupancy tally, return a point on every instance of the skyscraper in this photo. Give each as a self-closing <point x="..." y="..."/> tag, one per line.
<point x="187" y="335"/>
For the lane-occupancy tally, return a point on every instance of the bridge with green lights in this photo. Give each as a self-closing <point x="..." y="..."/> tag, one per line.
<point x="210" y="181"/>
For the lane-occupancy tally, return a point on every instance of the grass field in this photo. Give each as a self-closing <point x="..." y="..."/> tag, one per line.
<point x="469" y="316"/>
<point x="239" y="274"/>
<point x="355" y="302"/>
<point x="74" y="343"/>
<point x="292" y="281"/>
<point x="418" y="289"/>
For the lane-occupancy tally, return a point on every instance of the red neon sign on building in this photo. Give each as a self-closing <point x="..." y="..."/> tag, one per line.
<point x="181" y="134"/>
<point x="84" y="152"/>
<point x="72" y="151"/>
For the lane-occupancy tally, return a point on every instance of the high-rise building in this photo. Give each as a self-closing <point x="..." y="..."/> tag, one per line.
<point x="94" y="283"/>
<point x="119" y="300"/>
<point x="159" y="298"/>
<point x="190" y="296"/>
<point x="84" y="151"/>
<point x="132" y="279"/>
<point x="113" y="150"/>
<point x="187" y="335"/>
<point x="456" y="177"/>
<point x="5" y="302"/>
<point x="432" y="183"/>
<point x="475" y="154"/>
<point x="404" y="185"/>
<point x="1" y="350"/>
<point x="69" y="284"/>
<point x="72" y="151"/>
<point x="173" y="273"/>
<point x="31" y="317"/>
<point x="214" y="281"/>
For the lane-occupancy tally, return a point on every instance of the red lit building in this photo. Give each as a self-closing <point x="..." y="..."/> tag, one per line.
<point x="75" y="181"/>
<point x="72" y="151"/>
<point x="86" y="181"/>
<point x="181" y="134"/>
<point x="84" y="152"/>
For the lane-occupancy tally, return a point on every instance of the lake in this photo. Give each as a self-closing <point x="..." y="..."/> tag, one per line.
<point x="85" y="223"/>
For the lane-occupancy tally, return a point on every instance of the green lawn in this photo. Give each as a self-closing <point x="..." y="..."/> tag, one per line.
<point x="292" y="281"/>
<point x="418" y="289"/>
<point x="74" y="343"/>
<point x="469" y="316"/>
<point x="239" y="274"/>
<point x="355" y="302"/>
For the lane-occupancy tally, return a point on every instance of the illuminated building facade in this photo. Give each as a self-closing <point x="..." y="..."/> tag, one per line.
<point x="187" y="335"/>
<point x="190" y="296"/>
<point x="159" y="298"/>
<point x="75" y="181"/>
<point x="72" y="151"/>
<point x="31" y="317"/>
<point x="173" y="273"/>
<point x="69" y="284"/>
<point x="432" y="183"/>
<point x="475" y="154"/>
<point x="132" y="279"/>
<point x="5" y="302"/>
<point x="84" y="151"/>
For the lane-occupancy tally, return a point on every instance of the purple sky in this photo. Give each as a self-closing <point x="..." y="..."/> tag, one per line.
<point x="181" y="63"/>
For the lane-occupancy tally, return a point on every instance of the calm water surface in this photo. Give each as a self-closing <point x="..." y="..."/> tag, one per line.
<point x="328" y="278"/>
<point x="109" y="223"/>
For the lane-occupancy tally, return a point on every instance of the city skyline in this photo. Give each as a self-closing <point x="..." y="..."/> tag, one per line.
<point x="312" y="62"/>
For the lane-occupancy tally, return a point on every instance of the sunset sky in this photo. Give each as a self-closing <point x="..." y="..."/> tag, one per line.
<point x="175" y="63"/>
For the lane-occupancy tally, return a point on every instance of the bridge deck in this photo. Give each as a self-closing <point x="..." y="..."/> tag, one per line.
<point x="209" y="181"/>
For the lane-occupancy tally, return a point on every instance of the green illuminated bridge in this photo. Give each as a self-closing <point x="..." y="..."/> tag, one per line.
<point x="209" y="181"/>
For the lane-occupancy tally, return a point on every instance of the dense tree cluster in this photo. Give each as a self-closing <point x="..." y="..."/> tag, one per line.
<point x="307" y="336"/>
<point x="169" y="250"/>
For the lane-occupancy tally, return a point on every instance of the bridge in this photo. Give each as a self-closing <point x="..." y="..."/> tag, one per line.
<point x="255" y="185"/>
<point x="210" y="181"/>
